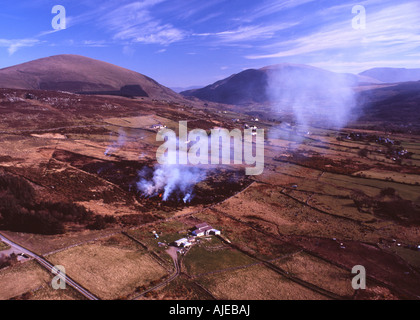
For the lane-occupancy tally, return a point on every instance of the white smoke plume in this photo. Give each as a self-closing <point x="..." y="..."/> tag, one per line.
<point x="170" y="180"/>
<point x="314" y="96"/>
<point x="116" y="144"/>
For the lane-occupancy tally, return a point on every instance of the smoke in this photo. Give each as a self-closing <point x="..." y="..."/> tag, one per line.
<point x="116" y="144"/>
<point x="170" y="180"/>
<point x="313" y="96"/>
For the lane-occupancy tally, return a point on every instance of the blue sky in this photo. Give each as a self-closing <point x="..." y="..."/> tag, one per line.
<point x="182" y="43"/>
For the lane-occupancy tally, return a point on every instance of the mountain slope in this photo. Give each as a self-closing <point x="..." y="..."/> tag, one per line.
<point x="398" y="104"/>
<point x="392" y="75"/>
<point x="250" y="86"/>
<point x="80" y="74"/>
<point x="244" y="87"/>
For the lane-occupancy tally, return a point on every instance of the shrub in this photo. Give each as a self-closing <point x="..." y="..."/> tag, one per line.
<point x="387" y="192"/>
<point x="19" y="212"/>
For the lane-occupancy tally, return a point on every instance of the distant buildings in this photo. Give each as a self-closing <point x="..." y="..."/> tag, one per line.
<point x="158" y="126"/>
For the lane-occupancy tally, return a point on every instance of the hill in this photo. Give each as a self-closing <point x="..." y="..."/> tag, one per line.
<point x="396" y="104"/>
<point x="392" y="75"/>
<point x="250" y="86"/>
<point x="80" y="74"/>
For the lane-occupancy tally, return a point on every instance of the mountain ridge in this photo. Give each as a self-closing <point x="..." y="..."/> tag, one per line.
<point x="393" y="75"/>
<point x="79" y="74"/>
<point x="250" y="85"/>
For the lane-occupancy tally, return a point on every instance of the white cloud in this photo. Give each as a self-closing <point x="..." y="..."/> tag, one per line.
<point x="13" y="45"/>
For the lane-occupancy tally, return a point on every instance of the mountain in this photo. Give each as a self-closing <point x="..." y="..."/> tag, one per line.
<point x="250" y="86"/>
<point x="247" y="86"/>
<point x="392" y="75"/>
<point x="180" y="89"/>
<point x="397" y="104"/>
<point x="80" y="74"/>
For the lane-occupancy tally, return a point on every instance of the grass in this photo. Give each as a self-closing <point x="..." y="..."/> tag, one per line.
<point x="48" y="293"/>
<point x="201" y="259"/>
<point x="140" y="122"/>
<point x="248" y="239"/>
<point x="318" y="272"/>
<point x="42" y="244"/>
<point x="181" y="288"/>
<point x="109" y="270"/>
<point x="22" y="278"/>
<point x="411" y="256"/>
<point x="255" y="283"/>
<point x="4" y="246"/>
<point x="371" y="187"/>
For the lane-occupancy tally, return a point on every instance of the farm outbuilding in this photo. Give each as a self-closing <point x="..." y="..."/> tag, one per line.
<point x="183" y="243"/>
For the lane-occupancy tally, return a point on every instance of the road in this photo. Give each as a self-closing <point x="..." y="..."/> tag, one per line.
<point x="47" y="265"/>
<point x="171" y="278"/>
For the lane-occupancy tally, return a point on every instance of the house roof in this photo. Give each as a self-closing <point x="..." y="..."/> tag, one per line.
<point x="202" y="225"/>
<point x="206" y="228"/>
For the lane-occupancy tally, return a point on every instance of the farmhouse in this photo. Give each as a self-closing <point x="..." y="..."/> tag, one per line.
<point x="204" y="229"/>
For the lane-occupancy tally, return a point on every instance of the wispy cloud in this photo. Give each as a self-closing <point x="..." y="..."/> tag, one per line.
<point x="248" y="33"/>
<point x="276" y="6"/>
<point x="359" y="66"/>
<point x="135" y="22"/>
<point x="13" y="45"/>
<point x="391" y="30"/>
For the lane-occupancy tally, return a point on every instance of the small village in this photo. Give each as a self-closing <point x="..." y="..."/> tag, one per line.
<point x="393" y="149"/>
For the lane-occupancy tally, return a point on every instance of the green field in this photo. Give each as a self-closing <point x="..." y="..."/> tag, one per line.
<point x="213" y="256"/>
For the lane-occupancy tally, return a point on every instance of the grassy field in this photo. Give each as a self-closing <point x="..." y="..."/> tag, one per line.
<point x="46" y="292"/>
<point x="111" y="269"/>
<point x="181" y="288"/>
<point x="318" y="272"/>
<point x="209" y="258"/>
<point x="43" y="244"/>
<point x="255" y="283"/>
<point x="411" y="256"/>
<point x="246" y="238"/>
<point x="141" y="122"/>
<point x="22" y="278"/>
<point x="277" y="214"/>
